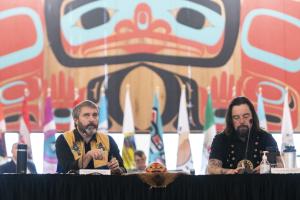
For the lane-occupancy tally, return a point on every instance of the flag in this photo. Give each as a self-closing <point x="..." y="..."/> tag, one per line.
<point x="25" y="128"/>
<point x="286" y="125"/>
<point x="184" y="154"/>
<point x="103" y="113"/>
<point x="156" y="152"/>
<point x="50" y="160"/>
<point x="261" y="111"/>
<point x="2" y="132"/>
<point x="128" y="131"/>
<point x="209" y="132"/>
<point x="75" y="102"/>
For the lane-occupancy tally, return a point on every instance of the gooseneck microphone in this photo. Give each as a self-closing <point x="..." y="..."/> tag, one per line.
<point x="247" y="144"/>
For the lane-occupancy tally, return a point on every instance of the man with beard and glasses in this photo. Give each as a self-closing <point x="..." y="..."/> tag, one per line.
<point x="84" y="147"/>
<point x="238" y="149"/>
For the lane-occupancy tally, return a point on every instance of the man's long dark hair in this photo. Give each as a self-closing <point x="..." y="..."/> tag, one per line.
<point x="229" y="129"/>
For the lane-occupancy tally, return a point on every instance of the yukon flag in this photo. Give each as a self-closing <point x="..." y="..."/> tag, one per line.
<point x="103" y="113"/>
<point x="286" y="125"/>
<point x="184" y="155"/>
<point x="261" y="111"/>
<point x="2" y="132"/>
<point x="50" y="160"/>
<point x="129" y="146"/>
<point x="25" y="128"/>
<point x="157" y="151"/>
<point x="209" y="132"/>
<point x="76" y="101"/>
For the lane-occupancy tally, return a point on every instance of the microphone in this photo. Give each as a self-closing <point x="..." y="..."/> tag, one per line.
<point x="248" y="136"/>
<point x="21" y="159"/>
<point x="247" y="146"/>
<point x="250" y="121"/>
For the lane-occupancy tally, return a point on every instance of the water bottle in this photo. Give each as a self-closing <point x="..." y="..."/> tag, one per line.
<point x="22" y="159"/>
<point x="289" y="157"/>
<point x="265" y="166"/>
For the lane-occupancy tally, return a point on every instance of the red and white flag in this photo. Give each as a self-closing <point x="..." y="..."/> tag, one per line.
<point x="25" y="128"/>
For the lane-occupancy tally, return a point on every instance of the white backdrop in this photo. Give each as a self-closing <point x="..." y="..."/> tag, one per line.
<point x="142" y="143"/>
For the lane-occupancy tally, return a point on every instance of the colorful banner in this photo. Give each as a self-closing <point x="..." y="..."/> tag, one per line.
<point x="64" y="44"/>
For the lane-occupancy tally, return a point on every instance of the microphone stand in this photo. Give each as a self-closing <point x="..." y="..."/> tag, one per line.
<point x="246" y="153"/>
<point x="247" y="144"/>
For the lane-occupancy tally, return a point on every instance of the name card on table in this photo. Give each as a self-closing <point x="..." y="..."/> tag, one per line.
<point x="95" y="172"/>
<point x="285" y="170"/>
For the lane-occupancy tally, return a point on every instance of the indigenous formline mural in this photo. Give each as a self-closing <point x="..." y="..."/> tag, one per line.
<point x="90" y="44"/>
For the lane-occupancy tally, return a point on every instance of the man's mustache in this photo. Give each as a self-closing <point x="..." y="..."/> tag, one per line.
<point x="91" y="125"/>
<point x="90" y="129"/>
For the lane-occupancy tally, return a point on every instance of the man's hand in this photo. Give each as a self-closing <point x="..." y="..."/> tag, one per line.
<point x="96" y="154"/>
<point x="257" y="170"/>
<point x="114" y="166"/>
<point x="238" y="170"/>
<point x="215" y="167"/>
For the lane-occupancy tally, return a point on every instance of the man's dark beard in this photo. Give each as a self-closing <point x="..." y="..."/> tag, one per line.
<point x="89" y="129"/>
<point x="242" y="132"/>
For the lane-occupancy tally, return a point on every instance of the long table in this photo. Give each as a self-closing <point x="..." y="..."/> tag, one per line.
<point x="131" y="187"/>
